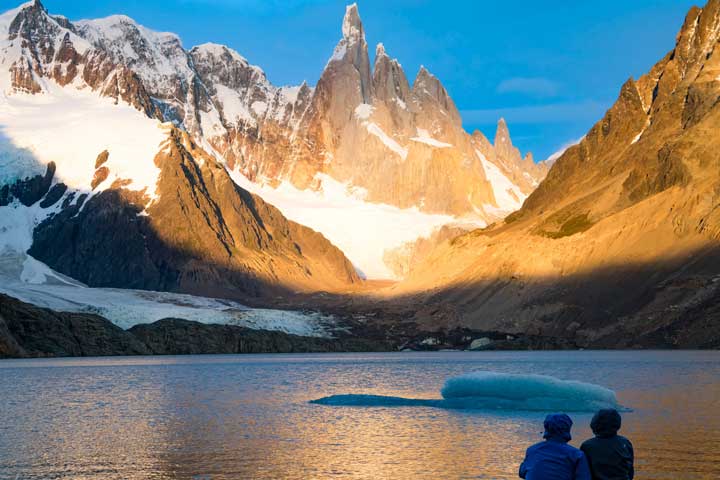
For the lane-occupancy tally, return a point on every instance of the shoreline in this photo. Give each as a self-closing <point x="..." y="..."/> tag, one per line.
<point x="27" y="331"/>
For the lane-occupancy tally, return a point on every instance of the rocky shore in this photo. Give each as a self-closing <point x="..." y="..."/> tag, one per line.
<point x="27" y="331"/>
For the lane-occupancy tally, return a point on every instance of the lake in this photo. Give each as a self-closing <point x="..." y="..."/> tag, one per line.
<point x="250" y="417"/>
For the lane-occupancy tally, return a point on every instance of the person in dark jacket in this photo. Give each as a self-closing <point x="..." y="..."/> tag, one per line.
<point x="554" y="459"/>
<point x="610" y="455"/>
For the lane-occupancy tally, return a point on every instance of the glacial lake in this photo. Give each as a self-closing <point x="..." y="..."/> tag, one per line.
<point x="250" y="417"/>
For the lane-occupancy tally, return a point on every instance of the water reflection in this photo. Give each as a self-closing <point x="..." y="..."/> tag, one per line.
<point x="249" y="417"/>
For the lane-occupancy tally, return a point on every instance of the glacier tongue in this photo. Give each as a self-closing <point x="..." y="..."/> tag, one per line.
<point x="31" y="281"/>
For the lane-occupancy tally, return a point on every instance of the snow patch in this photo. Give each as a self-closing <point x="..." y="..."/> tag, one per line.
<point x="388" y="141"/>
<point x="290" y="94"/>
<point x="363" y="111"/>
<point x="424" y="137"/>
<point x="71" y="128"/>
<point x="339" y="52"/>
<point x="259" y="108"/>
<point x="508" y="196"/>
<point x="362" y="230"/>
<point x="235" y="110"/>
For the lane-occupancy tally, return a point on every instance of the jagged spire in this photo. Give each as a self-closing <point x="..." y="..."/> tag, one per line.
<point x="389" y="80"/>
<point x="352" y="27"/>
<point x="502" y="134"/>
<point x="427" y="83"/>
<point x="352" y="50"/>
<point x="380" y="51"/>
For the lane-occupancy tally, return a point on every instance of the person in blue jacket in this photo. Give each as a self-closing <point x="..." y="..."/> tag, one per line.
<point x="554" y="459"/>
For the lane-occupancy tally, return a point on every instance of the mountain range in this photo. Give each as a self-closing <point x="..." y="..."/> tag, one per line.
<point x="361" y="135"/>
<point x="127" y="161"/>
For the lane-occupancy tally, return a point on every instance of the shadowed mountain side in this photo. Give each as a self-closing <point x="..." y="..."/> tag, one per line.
<point x="28" y="331"/>
<point x="202" y="234"/>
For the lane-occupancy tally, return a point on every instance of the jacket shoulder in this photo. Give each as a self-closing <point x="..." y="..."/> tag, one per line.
<point x="588" y="443"/>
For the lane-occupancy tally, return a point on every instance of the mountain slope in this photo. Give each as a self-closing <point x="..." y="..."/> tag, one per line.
<point x="619" y="245"/>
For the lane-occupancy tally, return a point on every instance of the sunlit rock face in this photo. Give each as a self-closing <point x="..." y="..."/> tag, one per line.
<point x="619" y="245"/>
<point x="403" y="144"/>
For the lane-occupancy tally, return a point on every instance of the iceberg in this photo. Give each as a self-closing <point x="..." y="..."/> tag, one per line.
<point x="497" y="391"/>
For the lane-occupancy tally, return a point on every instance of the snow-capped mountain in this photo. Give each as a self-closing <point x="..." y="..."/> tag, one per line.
<point x="363" y="140"/>
<point x="93" y="184"/>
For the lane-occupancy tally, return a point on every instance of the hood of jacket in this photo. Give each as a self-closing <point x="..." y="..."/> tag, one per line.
<point x="557" y="427"/>
<point x="606" y="422"/>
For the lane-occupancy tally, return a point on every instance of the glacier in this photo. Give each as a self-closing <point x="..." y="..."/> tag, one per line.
<point x="486" y="390"/>
<point x="31" y="281"/>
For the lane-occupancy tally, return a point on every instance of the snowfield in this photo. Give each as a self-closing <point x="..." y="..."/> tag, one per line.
<point x="71" y="127"/>
<point x="362" y="230"/>
<point x="31" y="281"/>
<point x="507" y="195"/>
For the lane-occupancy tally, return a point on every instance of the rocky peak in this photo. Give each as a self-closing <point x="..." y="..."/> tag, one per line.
<point x="219" y="63"/>
<point x="351" y="53"/>
<point x="502" y="133"/>
<point x="698" y="36"/>
<point x="352" y="28"/>
<point x="428" y="86"/>
<point x="389" y="80"/>
<point x="33" y="22"/>
<point x="380" y="51"/>
<point x="504" y="146"/>
<point x="481" y="139"/>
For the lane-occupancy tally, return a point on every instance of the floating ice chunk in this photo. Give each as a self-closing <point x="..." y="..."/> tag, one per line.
<point x="497" y="391"/>
<point x="529" y="392"/>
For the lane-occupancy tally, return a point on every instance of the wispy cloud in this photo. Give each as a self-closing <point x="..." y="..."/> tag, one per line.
<point x="585" y="111"/>
<point x="532" y="86"/>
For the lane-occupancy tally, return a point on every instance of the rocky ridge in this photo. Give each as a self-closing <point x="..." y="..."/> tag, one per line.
<point x="232" y="243"/>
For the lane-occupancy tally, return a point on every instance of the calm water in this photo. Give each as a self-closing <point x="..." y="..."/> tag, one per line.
<point x="223" y="417"/>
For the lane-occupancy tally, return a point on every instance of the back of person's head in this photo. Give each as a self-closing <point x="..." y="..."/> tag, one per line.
<point x="557" y="427"/>
<point x="606" y="422"/>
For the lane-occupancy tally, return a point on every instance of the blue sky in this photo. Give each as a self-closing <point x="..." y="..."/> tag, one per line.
<point x="551" y="68"/>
